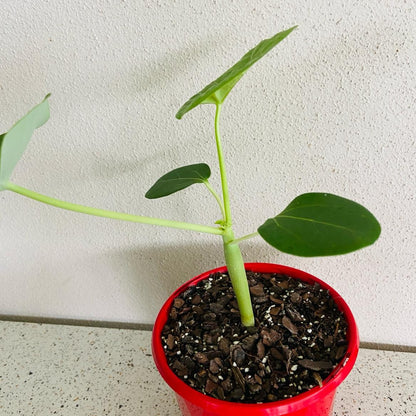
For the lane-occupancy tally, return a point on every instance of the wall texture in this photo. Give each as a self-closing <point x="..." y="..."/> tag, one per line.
<point x="330" y="109"/>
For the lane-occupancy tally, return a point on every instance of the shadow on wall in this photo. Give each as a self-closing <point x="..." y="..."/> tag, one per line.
<point x="164" y="70"/>
<point x="349" y="50"/>
<point x="148" y="275"/>
<point x="354" y="58"/>
<point x="356" y="50"/>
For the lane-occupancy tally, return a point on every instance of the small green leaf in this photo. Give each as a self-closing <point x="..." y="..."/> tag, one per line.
<point x="316" y="224"/>
<point x="178" y="179"/>
<point x="14" y="142"/>
<point x="217" y="91"/>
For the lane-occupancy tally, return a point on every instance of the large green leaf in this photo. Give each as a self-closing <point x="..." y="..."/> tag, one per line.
<point x="178" y="179"/>
<point x="317" y="224"/>
<point x="14" y="142"/>
<point x="217" y="91"/>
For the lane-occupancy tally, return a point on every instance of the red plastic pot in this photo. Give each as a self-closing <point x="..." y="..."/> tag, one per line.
<point x="315" y="402"/>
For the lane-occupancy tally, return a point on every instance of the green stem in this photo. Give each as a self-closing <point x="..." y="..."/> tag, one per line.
<point x="216" y="196"/>
<point x="246" y="237"/>
<point x="232" y="253"/>
<point x="224" y="183"/>
<point x="111" y="214"/>
<point x="237" y="273"/>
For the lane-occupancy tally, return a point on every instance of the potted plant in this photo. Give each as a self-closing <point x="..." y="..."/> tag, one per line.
<point x="257" y="339"/>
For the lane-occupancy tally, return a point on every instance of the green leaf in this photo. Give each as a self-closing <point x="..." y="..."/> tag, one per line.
<point x="217" y="91"/>
<point x="14" y="142"/>
<point x="318" y="224"/>
<point x="178" y="179"/>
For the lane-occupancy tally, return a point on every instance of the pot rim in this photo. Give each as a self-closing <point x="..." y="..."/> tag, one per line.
<point x="330" y="383"/>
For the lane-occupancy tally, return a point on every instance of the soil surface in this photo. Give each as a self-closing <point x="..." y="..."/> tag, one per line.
<point x="299" y="337"/>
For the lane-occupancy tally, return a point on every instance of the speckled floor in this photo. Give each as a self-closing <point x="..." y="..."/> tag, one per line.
<point x="74" y="370"/>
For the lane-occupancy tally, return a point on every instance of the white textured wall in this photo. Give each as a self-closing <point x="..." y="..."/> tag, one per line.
<point x="330" y="109"/>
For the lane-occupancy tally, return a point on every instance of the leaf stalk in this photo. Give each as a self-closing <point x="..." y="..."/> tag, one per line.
<point x="111" y="214"/>
<point x="224" y="183"/>
<point x="217" y="197"/>
<point x="245" y="237"/>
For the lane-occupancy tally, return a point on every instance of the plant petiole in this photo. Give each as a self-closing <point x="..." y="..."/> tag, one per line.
<point x="111" y="214"/>
<point x="245" y="237"/>
<point x="218" y="199"/>
<point x="224" y="183"/>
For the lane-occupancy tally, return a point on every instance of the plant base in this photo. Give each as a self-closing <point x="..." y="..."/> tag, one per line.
<point x="316" y="401"/>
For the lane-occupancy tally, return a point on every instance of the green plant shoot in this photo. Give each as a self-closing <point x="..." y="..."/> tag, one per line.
<point x="313" y="224"/>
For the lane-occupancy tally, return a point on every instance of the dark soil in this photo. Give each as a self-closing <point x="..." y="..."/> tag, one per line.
<point x="299" y="337"/>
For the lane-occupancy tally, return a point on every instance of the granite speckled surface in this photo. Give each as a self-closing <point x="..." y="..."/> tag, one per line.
<point x="73" y="370"/>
